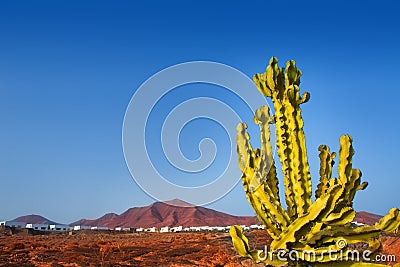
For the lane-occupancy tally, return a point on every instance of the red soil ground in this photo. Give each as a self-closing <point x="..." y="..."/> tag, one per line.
<point x="135" y="249"/>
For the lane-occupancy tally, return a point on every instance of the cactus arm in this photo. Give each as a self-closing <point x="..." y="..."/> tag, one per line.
<point x="272" y="207"/>
<point x="298" y="157"/>
<point x="241" y="245"/>
<point x="243" y="146"/>
<point x="355" y="185"/>
<point x="267" y="164"/>
<point x="350" y="178"/>
<point x="346" y="153"/>
<point x="299" y="226"/>
<point x="261" y="83"/>
<point x="289" y="131"/>
<point x="300" y="166"/>
<point x="257" y="177"/>
<point x="272" y="212"/>
<point x="331" y="235"/>
<point x="335" y="192"/>
<point x="347" y="176"/>
<point x="389" y="223"/>
<point x="325" y="169"/>
<point x="260" y="210"/>
<point x="282" y="137"/>
<point x="258" y="192"/>
<point x="239" y="240"/>
<point x="273" y="79"/>
<point x="327" y="215"/>
<point x="292" y="74"/>
<point x="247" y="162"/>
<point x="345" y="216"/>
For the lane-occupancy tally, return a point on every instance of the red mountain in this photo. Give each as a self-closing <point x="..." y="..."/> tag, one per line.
<point x="172" y="213"/>
<point x="34" y="219"/>
<point x="367" y="218"/>
<point x="102" y="221"/>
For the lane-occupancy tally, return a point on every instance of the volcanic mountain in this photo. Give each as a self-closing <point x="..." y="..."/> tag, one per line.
<point x="37" y="219"/>
<point x="170" y="213"/>
<point x="367" y="218"/>
<point x="176" y="212"/>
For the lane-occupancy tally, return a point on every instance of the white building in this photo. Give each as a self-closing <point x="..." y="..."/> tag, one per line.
<point x="38" y="226"/>
<point x="99" y="228"/>
<point x="256" y="226"/>
<point x="126" y="229"/>
<point x="217" y="228"/>
<point x="244" y="227"/>
<point x="164" y="229"/>
<point x="151" y="230"/>
<point x="355" y="223"/>
<point x="81" y="227"/>
<point x="13" y="224"/>
<point x="195" y="229"/>
<point x="59" y="227"/>
<point x="140" y="229"/>
<point x="177" y="229"/>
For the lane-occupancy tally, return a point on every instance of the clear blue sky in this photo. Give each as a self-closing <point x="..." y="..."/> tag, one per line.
<point x="69" y="68"/>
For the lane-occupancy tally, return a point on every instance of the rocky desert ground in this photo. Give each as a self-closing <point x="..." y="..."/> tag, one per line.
<point x="91" y="248"/>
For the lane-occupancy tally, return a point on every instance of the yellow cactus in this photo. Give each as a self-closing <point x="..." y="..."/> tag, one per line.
<point x="314" y="227"/>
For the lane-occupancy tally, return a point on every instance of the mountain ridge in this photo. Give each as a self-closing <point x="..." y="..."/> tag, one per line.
<point x="33" y="218"/>
<point x="161" y="214"/>
<point x="172" y="213"/>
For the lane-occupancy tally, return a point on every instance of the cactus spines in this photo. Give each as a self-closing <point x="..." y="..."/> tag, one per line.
<point x="305" y="226"/>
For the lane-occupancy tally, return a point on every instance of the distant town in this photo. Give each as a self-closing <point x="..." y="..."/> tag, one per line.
<point x="165" y="229"/>
<point x="160" y="217"/>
